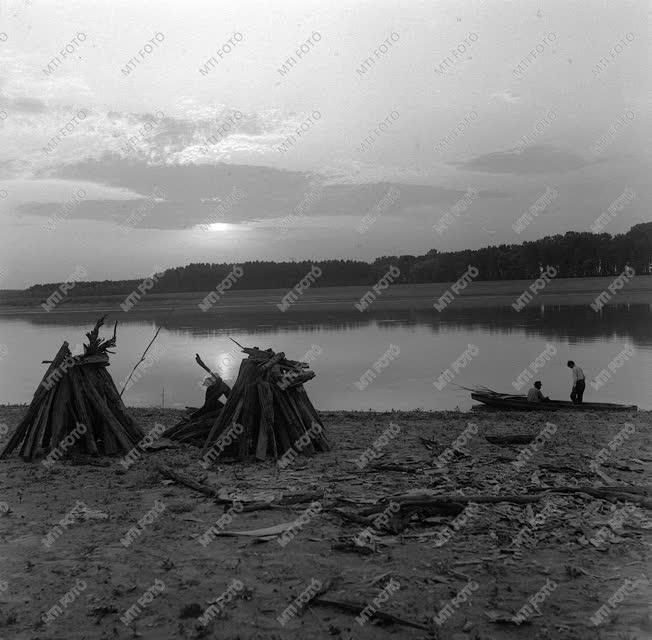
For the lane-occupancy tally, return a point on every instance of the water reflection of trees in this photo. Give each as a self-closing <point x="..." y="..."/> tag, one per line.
<point x="572" y="323"/>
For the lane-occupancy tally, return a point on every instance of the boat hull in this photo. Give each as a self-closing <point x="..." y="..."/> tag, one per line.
<point x="520" y="403"/>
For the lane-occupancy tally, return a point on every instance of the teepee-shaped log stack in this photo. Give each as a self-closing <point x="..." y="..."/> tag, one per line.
<point x="77" y="390"/>
<point x="270" y="408"/>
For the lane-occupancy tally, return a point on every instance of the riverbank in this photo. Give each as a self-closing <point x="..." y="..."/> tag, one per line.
<point x="499" y="555"/>
<point x="497" y="293"/>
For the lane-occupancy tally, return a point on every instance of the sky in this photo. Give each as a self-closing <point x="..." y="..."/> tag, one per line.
<point x="305" y="117"/>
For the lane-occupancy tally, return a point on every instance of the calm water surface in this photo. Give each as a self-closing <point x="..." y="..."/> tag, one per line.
<point x="351" y="342"/>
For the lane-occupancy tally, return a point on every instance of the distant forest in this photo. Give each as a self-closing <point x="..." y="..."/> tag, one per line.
<point x="573" y="255"/>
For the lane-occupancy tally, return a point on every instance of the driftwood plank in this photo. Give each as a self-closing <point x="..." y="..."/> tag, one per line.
<point x="171" y="474"/>
<point x="357" y="608"/>
<point x="515" y="438"/>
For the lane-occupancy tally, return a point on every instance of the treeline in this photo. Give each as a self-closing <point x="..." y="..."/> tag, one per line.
<point x="572" y="255"/>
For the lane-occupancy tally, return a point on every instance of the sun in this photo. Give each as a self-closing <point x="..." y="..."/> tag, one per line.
<point x="221" y="226"/>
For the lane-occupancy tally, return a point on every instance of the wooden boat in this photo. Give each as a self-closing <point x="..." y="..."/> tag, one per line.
<point x="520" y="403"/>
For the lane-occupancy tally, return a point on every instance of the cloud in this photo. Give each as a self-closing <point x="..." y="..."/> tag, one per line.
<point x="22" y="104"/>
<point x="532" y="160"/>
<point x="189" y="134"/>
<point x="193" y="193"/>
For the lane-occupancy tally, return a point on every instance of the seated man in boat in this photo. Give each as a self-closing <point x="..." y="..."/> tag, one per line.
<point x="535" y="395"/>
<point x="577" y="392"/>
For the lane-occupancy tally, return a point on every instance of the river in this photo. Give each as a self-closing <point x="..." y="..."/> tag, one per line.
<point x="348" y="343"/>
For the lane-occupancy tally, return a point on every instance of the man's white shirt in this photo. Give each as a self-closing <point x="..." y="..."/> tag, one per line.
<point x="578" y="374"/>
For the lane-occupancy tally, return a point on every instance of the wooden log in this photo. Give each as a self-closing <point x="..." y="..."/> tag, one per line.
<point x="35" y="406"/>
<point x="111" y="445"/>
<point x="171" y="474"/>
<point x="356" y="608"/>
<point x="100" y="408"/>
<point x="202" y="413"/>
<point x="109" y="393"/>
<point x="195" y="437"/>
<point x="248" y="420"/>
<point x="285" y="422"/>
<point x="221" y="423"/>
<point x="60" y="412"/>
<point x="293" y="364"/>
<point x="351" y="517"/>
<point x="19" y="433"/>
<point x="308" y="404"/>
<point x="304" y="422"/>
<point x="613" y="494"/>
<point x="301" y="379"/>
<point x="42" y="427"/>
<point x="99" y="359"/>
<point x="479" y="498"/>
<point x="28" y="442"/>
<point x="320" y="441"/>
<point x="256" y="352"/>
<point x="416" y="501"/>
<point x="191" y="429"/>
<point x="515" y="438"/>
<point x="227" y="416"/>
<point x="281" y="434"/>
<point x="117" y="406"/>
<point x="57" y="361"/>
<point x="33" y="441"/>
<point x="306" y="416"/>
<point x="297" y="498"/>
<point x="455" y="502"/>
<point x="83" y="414"/>
<point x="203" y="417"/>
<point x="394" y="466"/>
<point x="265" y="432"/>
<point x="271" y="362"/>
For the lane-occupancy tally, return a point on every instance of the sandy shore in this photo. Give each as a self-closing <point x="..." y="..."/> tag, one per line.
<point x="431" y="560"/>
<point x="498" y="293"/>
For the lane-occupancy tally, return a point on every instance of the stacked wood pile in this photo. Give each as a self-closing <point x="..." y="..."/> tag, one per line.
<point x="268" y="412"/>
<point x="195" y="427"/>
<point x="77" y="390"/>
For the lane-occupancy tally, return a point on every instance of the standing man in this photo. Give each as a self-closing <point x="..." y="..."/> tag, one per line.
<point x="578" y="383"/>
